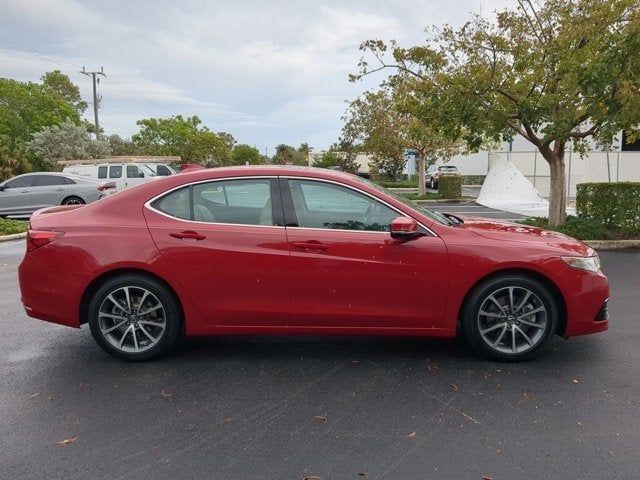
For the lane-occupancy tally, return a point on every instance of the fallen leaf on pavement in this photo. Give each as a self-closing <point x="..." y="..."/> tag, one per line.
<point x="575" y="380"/>
<point x="67" y="441"/>
<point x="165" y="394"/>
<point x="487" y="478"/>
<point x="455" y="387"/>
<point x="321" y="418"/>
<point x="34" y="394"/>
<point x="312" y="477"/>
<point x="411" y="435"/>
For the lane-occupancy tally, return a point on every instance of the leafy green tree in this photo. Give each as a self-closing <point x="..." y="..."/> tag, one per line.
<point x="121" y="146"/>
<point x="60" y="84"/>
<point x="555" y="73"/>
<point x="26" y="108"/>
<point x="186" y="137"/>
<point x="67" y="141"/>
<point x="13" y="159"/>
<point x="284" y="155"/>
<point x="243" y="154"/>
<point x="327" y="159"/>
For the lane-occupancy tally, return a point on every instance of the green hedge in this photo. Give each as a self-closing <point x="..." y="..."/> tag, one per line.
<point x="397" y="184"/>
<point x="473" y="179"/>
<point x="612" y="205"/>
<point x="450" y="186"/>
<point x="8" y="227"/>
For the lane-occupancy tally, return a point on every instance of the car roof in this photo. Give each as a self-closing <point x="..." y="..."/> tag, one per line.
<point x="281" y="170"/>
<point x="57" y="174"/>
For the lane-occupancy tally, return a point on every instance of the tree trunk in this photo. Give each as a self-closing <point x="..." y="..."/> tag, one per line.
<point x="557" y="194"/>
<point x="422" y="189"/>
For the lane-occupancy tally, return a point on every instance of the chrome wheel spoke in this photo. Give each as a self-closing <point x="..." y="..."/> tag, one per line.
<point x="523" y="302"/>
<point x="492" y="315"/>
<point x="154" y="324"/>
<point x="495" y="327"/>
<point x="511" y="303"/>
<point x="135" y="337"/>
<point x="528" y="314"/>
<point x="501" y="336"/>
<point x="531" y="324"/>
<point x="124" y="335"/>
<point x="149" y="310"/>
<point x="114" y="317"/>
<point x="114" y="327"/>
<point x="526" y="337"/>
<point x="117" y="303"/>
<point x="144" y="330"/>
<point x="144" y="297"/>
<point x="493" y="299"/>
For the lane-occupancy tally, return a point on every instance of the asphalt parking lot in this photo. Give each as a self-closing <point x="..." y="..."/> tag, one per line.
<point x="319" y="407"/>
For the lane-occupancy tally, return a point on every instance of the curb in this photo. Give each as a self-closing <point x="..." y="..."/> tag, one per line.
<point x="14" y="236"/>
<point x="448" y="200"/>
<point x="612" y="244"/>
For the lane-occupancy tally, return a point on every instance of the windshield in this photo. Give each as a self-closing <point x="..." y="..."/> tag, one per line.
<point x="435" y="216"/>
<point x="449" y="168"/>
<point x="147" y="170"/>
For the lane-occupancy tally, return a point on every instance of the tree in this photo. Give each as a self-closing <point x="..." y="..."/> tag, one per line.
<point x="67" y="141"/>
<point x="554" y="73"/>
<point x="186" y="137"/>
<point x="327" y="159"/>
<point x="284" y="155"/>
<point x="373" y="121"/>
<point x="120" y="146"/>
<point x="60" y="84"/>
<point x="243" y="154"/>
<point x="26" y="108"/>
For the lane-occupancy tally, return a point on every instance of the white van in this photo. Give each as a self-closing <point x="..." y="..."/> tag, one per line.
<point x="124" y="175"/>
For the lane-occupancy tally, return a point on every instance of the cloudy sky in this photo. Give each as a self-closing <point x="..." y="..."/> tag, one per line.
<point x="268" y="72"/>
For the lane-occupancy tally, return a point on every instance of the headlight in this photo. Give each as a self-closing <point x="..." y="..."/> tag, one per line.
<point x="590" y="264"/>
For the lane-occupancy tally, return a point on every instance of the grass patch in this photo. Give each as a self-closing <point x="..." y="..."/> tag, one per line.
<point x="426" y="196"/>
<point x="8" y="227"/>
<point x="583" y="229"/>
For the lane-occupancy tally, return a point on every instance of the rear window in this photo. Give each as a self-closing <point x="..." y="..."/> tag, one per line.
<point x="102" y="171"/>
<point x="448" y="168"/>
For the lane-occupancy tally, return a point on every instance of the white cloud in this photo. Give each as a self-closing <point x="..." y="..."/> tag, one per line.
<point x="267" y="72"/>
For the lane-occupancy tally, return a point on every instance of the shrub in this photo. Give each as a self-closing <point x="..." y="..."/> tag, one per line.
<point x="473" y="179"/>
<point x="397" y="184"/>
<point x="8" y="227"/>
<point x="450" y="186"/>
<point x="612" y="205"/>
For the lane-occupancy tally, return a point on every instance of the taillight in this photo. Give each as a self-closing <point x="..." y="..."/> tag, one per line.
<point x="106" y="186"/>
<point x="39" y="238"/>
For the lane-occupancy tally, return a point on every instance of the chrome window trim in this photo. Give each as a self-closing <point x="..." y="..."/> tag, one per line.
<point x="148" y="203"/>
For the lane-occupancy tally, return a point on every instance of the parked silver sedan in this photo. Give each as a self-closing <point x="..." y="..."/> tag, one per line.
<point x="22" y="195"/>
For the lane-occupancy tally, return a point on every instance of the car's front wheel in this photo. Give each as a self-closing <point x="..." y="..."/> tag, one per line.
<point x="134" y="318"/>
<point x="73" y="200"/>
<point x="510" y="318"/>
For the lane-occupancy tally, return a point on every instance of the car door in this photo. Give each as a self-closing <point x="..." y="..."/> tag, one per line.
<point x="225" y="242"/>
<point x="15" y="197"/>
<point x="48" y="190"/>
<point x="116" y="175"/>
<point x="348" y="272"/>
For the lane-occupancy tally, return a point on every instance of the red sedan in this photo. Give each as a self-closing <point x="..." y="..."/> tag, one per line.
<point x="287" y="250"/>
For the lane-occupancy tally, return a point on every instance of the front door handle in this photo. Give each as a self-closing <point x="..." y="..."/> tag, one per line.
<point x="188" y="235"/>
<point x="25" y="191"/>
<point x="311" y="246"/>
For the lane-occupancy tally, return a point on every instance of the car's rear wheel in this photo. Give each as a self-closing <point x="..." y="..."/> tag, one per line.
<point x="510" y="318"/>
<point x="73" y="201"/>
<point x="134" y="318"/>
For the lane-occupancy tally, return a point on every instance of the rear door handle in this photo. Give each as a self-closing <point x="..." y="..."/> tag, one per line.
<point x="311" y="246"/>
<point x="188" y="235"/>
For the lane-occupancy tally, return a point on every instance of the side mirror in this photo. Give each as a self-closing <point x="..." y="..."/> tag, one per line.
<point x="403" y="227"/>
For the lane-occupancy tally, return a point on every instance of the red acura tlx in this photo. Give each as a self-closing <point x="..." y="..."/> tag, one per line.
<point x="290" y="250"/>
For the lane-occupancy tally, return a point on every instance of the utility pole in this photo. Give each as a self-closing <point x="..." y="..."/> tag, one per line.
<point x="95" y="96"/>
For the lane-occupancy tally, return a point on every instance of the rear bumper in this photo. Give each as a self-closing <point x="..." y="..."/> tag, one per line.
<point x="585" y="295"/>
<point x="50" y="292"/>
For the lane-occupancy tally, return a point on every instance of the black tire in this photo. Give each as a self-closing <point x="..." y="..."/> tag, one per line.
<point x="73" y="200"/>
<point x="171" y="312"/>
<point x="540" y="296"/>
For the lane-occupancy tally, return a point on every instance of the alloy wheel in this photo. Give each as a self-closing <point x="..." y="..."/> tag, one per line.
<point x="132" y="319"/>
<point x="512" y="320"/>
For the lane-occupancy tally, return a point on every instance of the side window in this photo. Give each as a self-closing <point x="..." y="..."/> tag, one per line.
<point x="134" y="172"/>
<point x="325" y="205"/>
<point x="20" y="182"/>
<point x="115" y="171"/>
<point x="49" y="180"/>
<point x="163" y="170"/>
<point x="245" y="202"/>
<point x="177" y="204"/>
<point x="102" y="171"/>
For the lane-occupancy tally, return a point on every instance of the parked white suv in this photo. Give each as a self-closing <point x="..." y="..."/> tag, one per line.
<point x="124" y="175"/>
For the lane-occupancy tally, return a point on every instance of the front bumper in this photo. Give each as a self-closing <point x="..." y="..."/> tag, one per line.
<point x="586" y="297"/>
